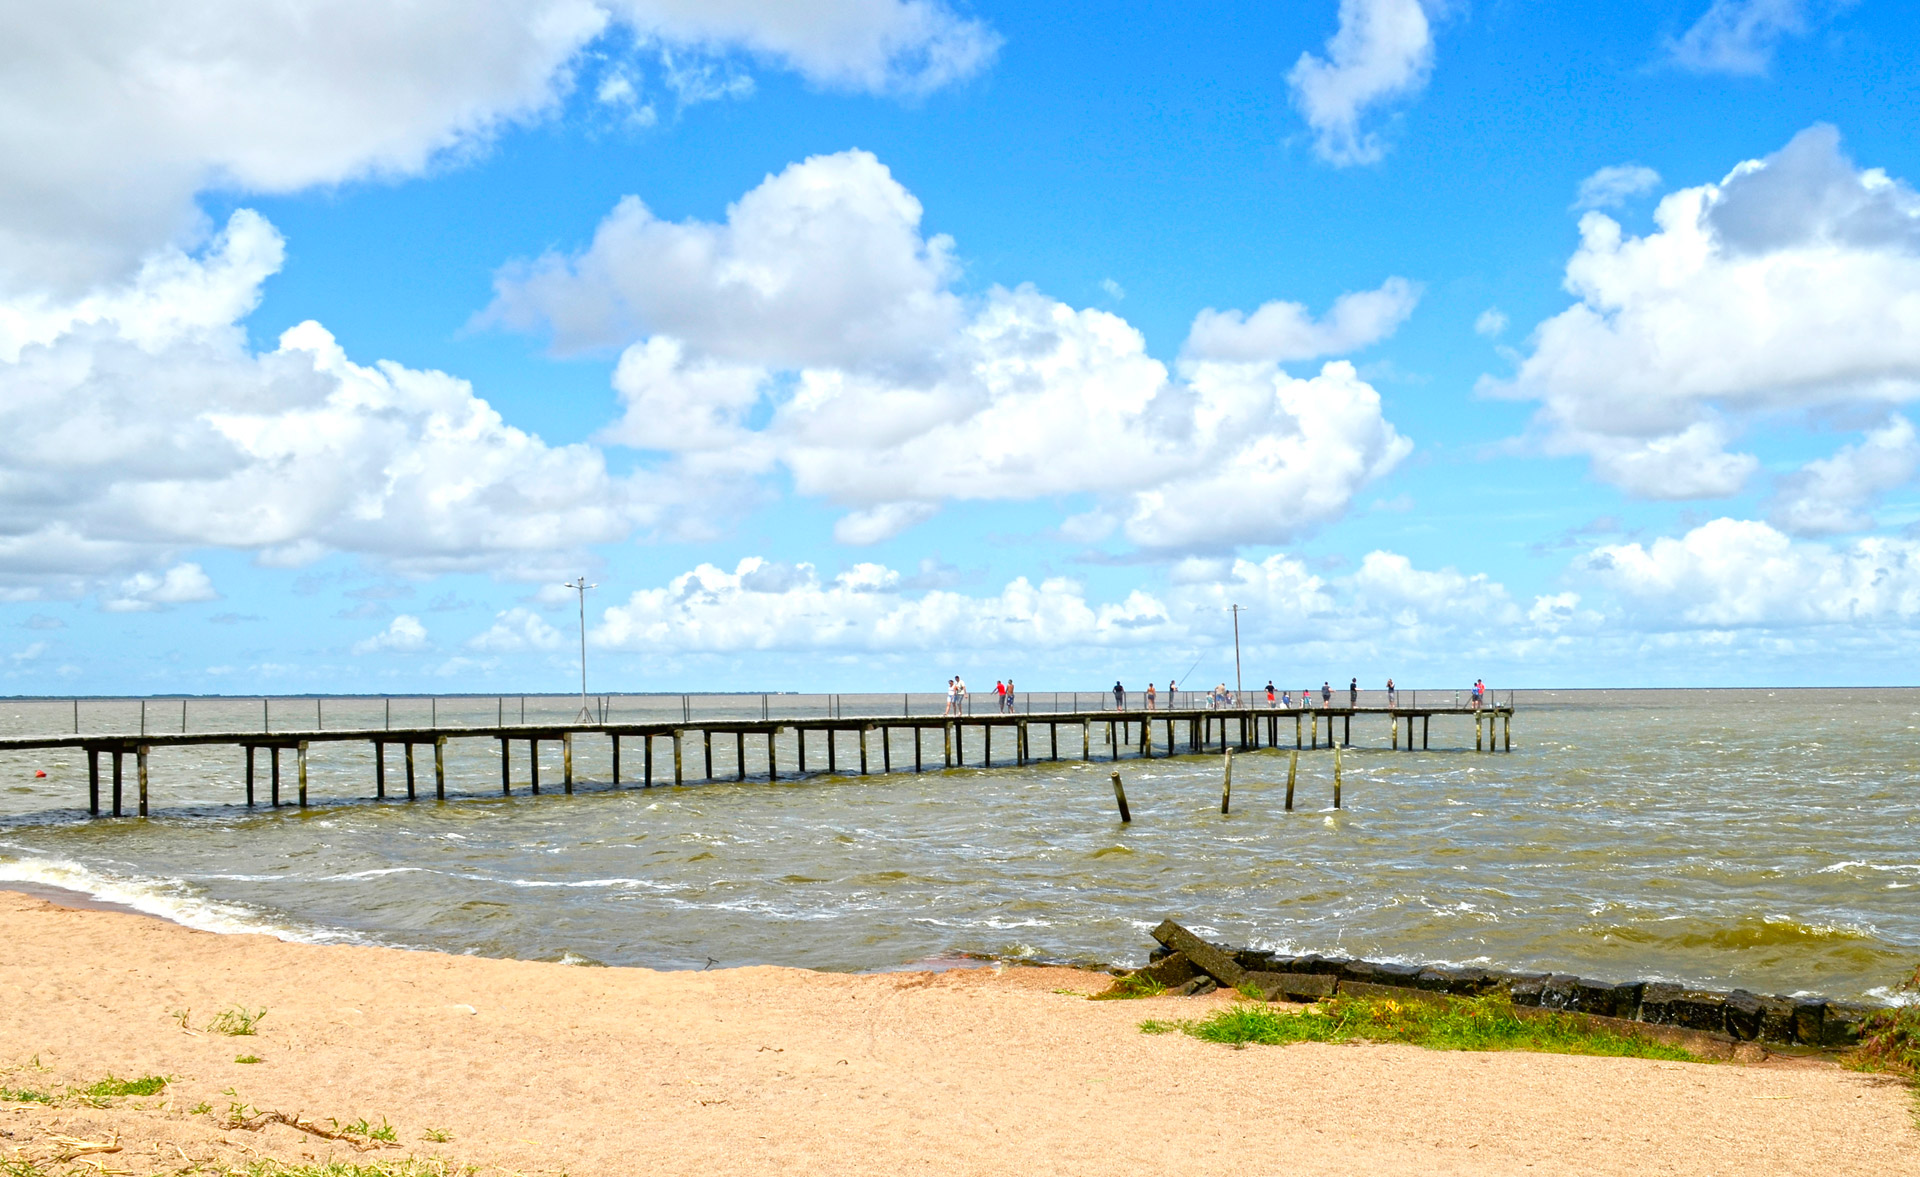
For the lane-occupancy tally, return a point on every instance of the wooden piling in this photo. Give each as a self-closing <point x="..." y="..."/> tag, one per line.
<point x="1476" y="733"/>
<point x="1336" y="778"/>
<point x="886" y="749"/>
<point x="1395" y="723"/>
<point x="566" y="762"/>
<point x="118" y="758"/>
<point x="1120" y="798"/>
<point x="140" y="770"/>
<point x="946" y="736"/>
<point x="409" y="753"/>
<point x="800" y="739"/>
<point x="1293" y="769"/>
<point x="533" y="765"/>
<point x="678" y="779"/>
<point x="1426" y="731"/>
<point x="1020" y="743"/>
<point x="93" y="774"/>
<point x="863" y="749"/>
<point x="832" y="741"/>
<point x="1086" y="740"/>
<point x="740" y="752"/>
<point x="1506" y="724"/>
<point x="1226" y="784"/>
<point x="439" y="769"/>
<point x="273" y="760"/>
<point x="379" y="770"/>
<point x="616" y="760"/>
<point x="646" y="755"/>
<point x="773" y="769"/>
<point x="1313" y="731"/>
<point x="300" y="761"/>
<point x="506" y="767"/>
<point x="1113" y="738"/>
<point x="706" y="753"/>
<point x="919" y="738"/>
<point x="1053" y="740"/>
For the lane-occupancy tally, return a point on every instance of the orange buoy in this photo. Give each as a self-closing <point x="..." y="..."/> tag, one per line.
<point x="39" y="772"/>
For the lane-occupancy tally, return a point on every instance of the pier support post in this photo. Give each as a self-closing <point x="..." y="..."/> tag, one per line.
<point x="506" y="767"/>
<point x="533" y="766"/>
<point x="1296" y="731"/>
<point x="140" y="770"/>
<point x="300" y="762"/>
<point x="1346" y="734"/>
<point x="740" y="752"/>
<point x="919" y="738"/>
<point x="616" y="760"/>
<point x="118" y="758"/>
<point x="677" y="778"/>
<point x="1507" y="725"/>
<point x="986" y="745"/>
<point x="706" y="752"/>
<point x="863" y="749"/>
<point x="1336" y="778"/>
<point x="1113" y="739"/>
<point x="1476" y="734"/>
<point x="439" y="769"/>
<point x="379" y="770"/>
<point x="886" y="749"/>
<point x="1426" y="731"/>
<point x="773" y="770"/>
<point x="1053" y="740"/>
<point x="1146" y="739"/>
<point x="273" y="770"/>
<point x="800" y="747"/>
<point x="93" y="778"/>
<point x="1293" y="769"/>
<point x="946" y="739"/>
<point x="1395" y="722"/>
<point x="646" y="765"/>
<point x="1313" y="731"/>
<point x="832" y="754"/>
<point x="1120" y="799"/>
<point x="566" y="762"/>
<point x="1226" y="784"/>
<point x="1086" y="740"/>
<point x="409" y="749"/>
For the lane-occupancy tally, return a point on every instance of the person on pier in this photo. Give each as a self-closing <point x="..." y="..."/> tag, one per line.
<point x="1119" y="696"/>
<point x="1353" y="692"/>
<point x="1393" y="696"/>
<point x="1269" y="692"/>
<point x="1010" y="706"/>
<point x="1150" y="696"/>
<point x="999" y="696"/>
<point x="1326" y="693"/>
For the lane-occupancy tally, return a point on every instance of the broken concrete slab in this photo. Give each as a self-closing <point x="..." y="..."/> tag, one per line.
<point x="1210" y="960"/>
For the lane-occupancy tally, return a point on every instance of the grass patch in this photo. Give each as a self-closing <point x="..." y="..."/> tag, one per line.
<point x="1128" y="987"/>
<point x="236" y="1021"/>
<point x="1890" y="1038"/>
<point x="410" y="1167"/>
<point x="25" y="1095"/>
<point x="200" y="1109"/>
<point x="1485" y="1023"/>
<point x="436" y="1136"/>
<point x="111" y="1088"/>
<point x="249" y="1058"/>
<point x="362" y="1128"/>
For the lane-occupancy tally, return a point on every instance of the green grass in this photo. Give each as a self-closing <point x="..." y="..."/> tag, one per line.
<point x="24" y="1095"/>
<point x="1890" y="1038"/>
<point x="236" y="1021"/>
<point x="1130" y="986"/>
<point x="436" y="1136"/>
<point x="360" y="1127"/>
<point x="248" y="1058"/>
<point x="110" y="1087"/>
<point x="1486" y="1023"/>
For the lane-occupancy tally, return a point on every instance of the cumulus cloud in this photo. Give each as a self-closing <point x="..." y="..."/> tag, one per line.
<point x="815" y="331"/>
<point x="1736" y="573"/>
<point x="402" y="634"/>
<point x="1491" y="323"/>
<point x="1738" y="36"/>
<point x="1284" y="331"/>
<point x="118" y="115"/>
<point x="145" y="592"/>
<point x="136" y="422"/>
<point x="1832" y="495"/>
<point x="515" y="630"/>
<point x="1611" y="187"/>
<point x="1793" y="284"/>
<point x="870" y="607"/>
<point x="1383" y="50"/>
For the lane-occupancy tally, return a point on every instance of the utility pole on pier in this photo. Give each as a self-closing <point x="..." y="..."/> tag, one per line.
<point x="1236" y="654"/>
<point x="581" y="586"/>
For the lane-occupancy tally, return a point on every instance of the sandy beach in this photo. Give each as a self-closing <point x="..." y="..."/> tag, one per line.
<point x="544" y="1068"/>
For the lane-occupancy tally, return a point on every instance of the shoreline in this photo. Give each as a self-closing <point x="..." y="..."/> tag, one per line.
<point x="532" y="1067"/>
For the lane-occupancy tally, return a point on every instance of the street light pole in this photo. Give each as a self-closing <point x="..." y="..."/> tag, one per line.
<point x="1237" y="688"/>
<point x="581" y="586"/>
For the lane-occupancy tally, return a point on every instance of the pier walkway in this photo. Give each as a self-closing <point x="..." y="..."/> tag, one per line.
<point x="1027" y="737"/>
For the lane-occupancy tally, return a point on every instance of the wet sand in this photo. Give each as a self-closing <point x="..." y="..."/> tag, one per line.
<point x="544" y="1068"/>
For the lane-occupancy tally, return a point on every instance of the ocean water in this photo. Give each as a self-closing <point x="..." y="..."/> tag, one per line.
<point x="1762" y="839"/>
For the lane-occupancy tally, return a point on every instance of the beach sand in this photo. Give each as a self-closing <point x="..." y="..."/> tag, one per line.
<point x="545" y="1068"/>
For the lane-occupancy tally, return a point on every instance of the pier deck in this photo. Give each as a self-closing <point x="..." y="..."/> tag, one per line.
<point x="1135" y="732"/>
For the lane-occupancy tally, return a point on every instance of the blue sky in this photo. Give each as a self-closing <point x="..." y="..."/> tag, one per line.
<point x="853" y="345"/>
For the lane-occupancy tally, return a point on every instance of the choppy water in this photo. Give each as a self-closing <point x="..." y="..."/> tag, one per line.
<point x="1764" y="839"/>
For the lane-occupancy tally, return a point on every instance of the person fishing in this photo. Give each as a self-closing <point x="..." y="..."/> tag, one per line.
<point x="1119" y="696"/>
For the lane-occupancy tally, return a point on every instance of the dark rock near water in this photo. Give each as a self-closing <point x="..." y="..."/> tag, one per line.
<point x="1292" y="986"/>
<point x="1211" y="960"/>
<point x="1559" y="992"/>
<point x="1256" y="960"/>
<point x="1171" y="970"/>
<point x="1198" y="987"/>
<point x="1433" y="981"/>
<point x="1665" y="1004"/>
<point x="1841" y="1025"/>
<point x="1471" y="982"/>
<point x="1807" y="1016"/>
<point x="1605" y="999"/>
<point x="1776" y="1019"/>
<point x="1742" y="1014"/>
<point x="1527" y="990"/>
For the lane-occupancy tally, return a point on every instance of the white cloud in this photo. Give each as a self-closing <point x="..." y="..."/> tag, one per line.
<point x="1113" y="289"/>
<point x="1611" y="187"/>
<point x="1383" y="50"/>
<point x="144" y="592"/>
<point x="821" y="314"/>
<point x="1284" y="331"/>
<point x="767" y="607"/>
<point x="517" y="629"/>
<point x="1833" y="494"/>
<point x="1738" y="36"/>
<point x="1491" y="323"/>
<point x="404" y="633"/>
<point x="173" y="435"/>
<point x="1734" y="573"/>
<point x="1792" y="284"/>
<point x="118" y="115"/>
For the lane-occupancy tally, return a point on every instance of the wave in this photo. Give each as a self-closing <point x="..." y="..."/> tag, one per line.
<point x="168" y="899"/>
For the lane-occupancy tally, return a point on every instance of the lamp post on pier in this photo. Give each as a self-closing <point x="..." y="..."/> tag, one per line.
<point x="581" y="586"/>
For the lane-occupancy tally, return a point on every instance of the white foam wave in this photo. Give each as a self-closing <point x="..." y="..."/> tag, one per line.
<point x="169" y="899"/>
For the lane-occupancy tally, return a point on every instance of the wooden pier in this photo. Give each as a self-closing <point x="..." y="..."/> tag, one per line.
<point x="1136" y="733"/>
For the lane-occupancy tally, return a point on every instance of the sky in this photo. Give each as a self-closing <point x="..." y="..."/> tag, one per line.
<point x="857" y="344"/>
